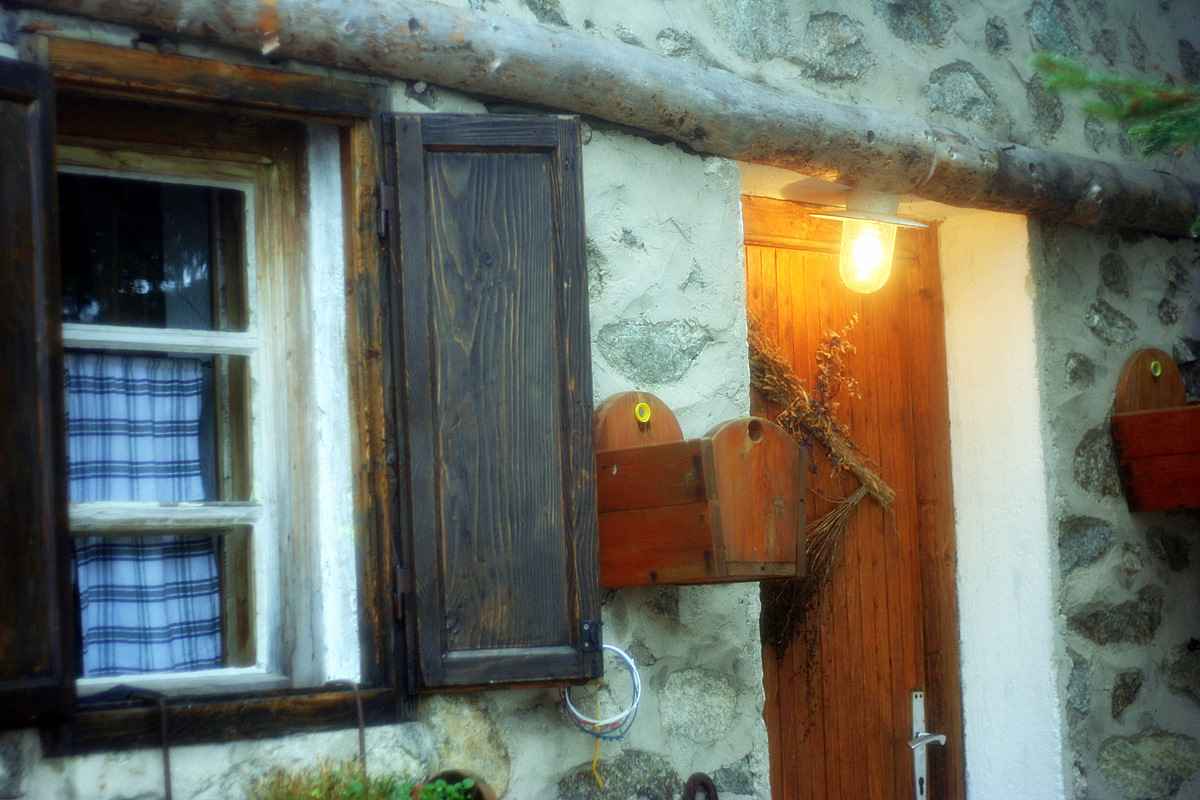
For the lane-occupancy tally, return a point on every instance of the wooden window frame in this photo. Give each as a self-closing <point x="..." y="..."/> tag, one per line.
<point x="147" y="75"/>
<point x="409" y="600"/>
<point x="237" y="514"/>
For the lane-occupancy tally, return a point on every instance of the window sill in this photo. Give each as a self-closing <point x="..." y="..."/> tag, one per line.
<point x="209" y="683"/>
<point x="97" y="727"/>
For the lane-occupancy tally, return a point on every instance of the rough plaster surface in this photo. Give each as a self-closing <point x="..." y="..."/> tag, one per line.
<point x="1005" y="557"/>
<point x="1033" y="363"/>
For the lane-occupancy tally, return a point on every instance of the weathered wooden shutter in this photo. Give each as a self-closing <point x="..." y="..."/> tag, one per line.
<point x="36" y="630"/>
<point x="496" y="398"/>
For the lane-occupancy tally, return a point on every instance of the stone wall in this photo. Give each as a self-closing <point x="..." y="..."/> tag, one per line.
<point x="666" y="284"/>
<point x="1130" y="657"/>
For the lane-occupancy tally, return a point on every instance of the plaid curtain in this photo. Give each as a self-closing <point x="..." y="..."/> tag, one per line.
<point x="147" y="603"/>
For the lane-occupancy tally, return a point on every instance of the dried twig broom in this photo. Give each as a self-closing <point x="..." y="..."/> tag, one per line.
<point x="794" y="608"/>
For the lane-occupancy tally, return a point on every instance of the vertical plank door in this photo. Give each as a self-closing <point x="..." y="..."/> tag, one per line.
<point x="839" y="708"/>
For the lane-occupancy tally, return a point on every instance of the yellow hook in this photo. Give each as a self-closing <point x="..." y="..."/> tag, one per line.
<point x="642" y="412"/>
<point x="1155" y="368"/>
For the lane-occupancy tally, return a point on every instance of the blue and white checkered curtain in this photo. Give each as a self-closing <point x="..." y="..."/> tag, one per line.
<point x="147" y="603"/>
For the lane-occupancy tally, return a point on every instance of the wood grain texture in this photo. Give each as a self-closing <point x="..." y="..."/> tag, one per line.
<point x="138" y="73"/>
<point x="36" y="614"/>
<point x="501" y="480"/>
<point x="757" y="476"/>
<point x="614" y="423"/>
<point x="1139" y="389"/>
<point x="838" y="715"/>
<point x="1158" y="452"/>
<point x="727" y="506"/>
<point x="251" y="141"/>
<point x="649" y="476"/>
<point x="709" y="110"/>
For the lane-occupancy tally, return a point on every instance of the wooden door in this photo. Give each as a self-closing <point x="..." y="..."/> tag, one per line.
<point x="839" y="711"/>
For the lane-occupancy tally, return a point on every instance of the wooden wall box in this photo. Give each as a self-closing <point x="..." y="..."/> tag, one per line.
<point x="728" y="506"/>
<point x="1157" y="435"/>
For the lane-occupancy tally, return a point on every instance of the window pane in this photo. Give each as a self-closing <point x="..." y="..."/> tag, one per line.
<point x="140" y="427"/>
<point x="150" y="254"/>
<point x="148" y="604"/>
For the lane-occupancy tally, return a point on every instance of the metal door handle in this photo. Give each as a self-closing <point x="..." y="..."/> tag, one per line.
<point x="922" y="739"/>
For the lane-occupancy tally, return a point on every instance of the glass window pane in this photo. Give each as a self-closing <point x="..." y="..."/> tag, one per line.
<point x="149" y="604"/>
<point x="141" y="427"/>
<point x="149" y="254"/>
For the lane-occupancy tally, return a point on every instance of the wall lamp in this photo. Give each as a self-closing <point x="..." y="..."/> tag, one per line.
<point x="869" y="226"/>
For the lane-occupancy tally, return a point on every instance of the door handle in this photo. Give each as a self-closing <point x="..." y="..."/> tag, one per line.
<point x="922" y="738"/>
<point x="919" y="743"/>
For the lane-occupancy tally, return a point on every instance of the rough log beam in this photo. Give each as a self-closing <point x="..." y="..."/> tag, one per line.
<point x="710" y="110"/>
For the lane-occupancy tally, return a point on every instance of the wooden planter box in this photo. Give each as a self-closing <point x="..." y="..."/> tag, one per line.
<point x="1157" y="435"/>
<point x="728" y="506"/>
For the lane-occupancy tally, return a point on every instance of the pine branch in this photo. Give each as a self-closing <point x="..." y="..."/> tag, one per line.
<point x="1161" y="118"/>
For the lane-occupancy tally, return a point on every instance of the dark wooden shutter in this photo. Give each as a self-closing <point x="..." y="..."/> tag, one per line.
<point x="36" y="630"/>
<point x="496" y="397"/>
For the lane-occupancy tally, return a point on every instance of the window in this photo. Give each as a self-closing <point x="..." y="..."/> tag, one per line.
<point x="162" y="331"/>
<point x="469" y="505"/>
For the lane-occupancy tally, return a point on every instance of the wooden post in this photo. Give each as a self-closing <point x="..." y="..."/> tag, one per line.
<point x="710" y="110"/>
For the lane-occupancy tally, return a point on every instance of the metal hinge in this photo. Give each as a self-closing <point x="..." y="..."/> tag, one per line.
<point x="386" y="208"/>
<point x="402" y="588"/>
<point x="590" y="637"/>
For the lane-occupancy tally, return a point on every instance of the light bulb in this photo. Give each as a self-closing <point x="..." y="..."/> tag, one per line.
<point x="866" y="256"/>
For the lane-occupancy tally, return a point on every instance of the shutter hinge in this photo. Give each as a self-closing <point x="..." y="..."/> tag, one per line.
<point x="590" y="638"/>
<point x="386" y="205"/>
<point x="402" y="588"/>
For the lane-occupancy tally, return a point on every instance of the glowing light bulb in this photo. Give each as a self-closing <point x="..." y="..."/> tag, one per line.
<point x="866" y="260"/>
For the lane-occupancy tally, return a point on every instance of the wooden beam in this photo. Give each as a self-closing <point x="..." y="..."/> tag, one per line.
<point x="710" y="110"/>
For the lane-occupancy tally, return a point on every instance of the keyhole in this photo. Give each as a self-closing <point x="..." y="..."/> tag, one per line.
<point x="920" y="787"/>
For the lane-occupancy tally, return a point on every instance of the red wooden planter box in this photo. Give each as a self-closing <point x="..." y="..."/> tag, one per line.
<point x="1157" y="437"/>
<point x="728" y="506"/>
<point x="1159" y="455"/>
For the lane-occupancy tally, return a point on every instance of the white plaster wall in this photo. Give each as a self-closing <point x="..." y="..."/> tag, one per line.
<point x="1011" y="709"/>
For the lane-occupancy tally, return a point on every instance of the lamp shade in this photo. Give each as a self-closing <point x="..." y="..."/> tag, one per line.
<point x="868" y="245"/>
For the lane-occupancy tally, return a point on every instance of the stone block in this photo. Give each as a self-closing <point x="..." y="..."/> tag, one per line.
<point x="754" y="29"/>
<point x="1174" y="551"/>
<point x="1052" y="29"/>
<point x="1081" y="371"/>
<point x="467" y="738"/>
<point x="547" y="11"/>
<point x="633" y="773"/>
<point x="1189" y="61"/>
<point x="1108" y="324"/>
<point x="1182" y="671"/>
<point x="917" y="21"/>
<point x="995" y="35"/>
<point x="1095" y="463"/>
<point x="1107" y="46"/>
<point x="698" y="704"/>
<point x="1079" y="690"/>
<point x="962" y="91"/>
<point x="1114" y="273"/>
<point x="1082" y="540"/>
<point x="833" y="49"/>
<point x="735" y="778"/>
<point x="652" y="352"/>
<point x="1046" y="108"/>
<point x="1149" y="766"/>
<point x="1125" y="690"/>
<point x="1134" y="622"/>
